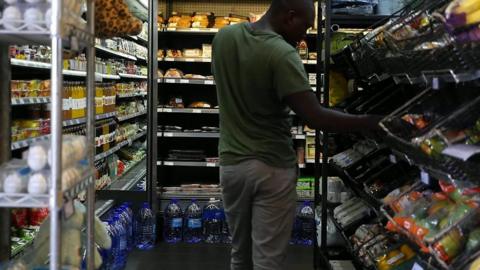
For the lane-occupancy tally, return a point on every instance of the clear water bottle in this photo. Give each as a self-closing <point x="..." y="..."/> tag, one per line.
<point x="128" y="215"/>
<point x="123" y="219"/>
<point x="306" y="225"/>
<point x="193" y="231"/>
<point x="145" y="228"/>
<point x="121" y="260"/>
<point x="213" y="222"/>
<point x="173" y="222"/>
<point x="115" y="249"/>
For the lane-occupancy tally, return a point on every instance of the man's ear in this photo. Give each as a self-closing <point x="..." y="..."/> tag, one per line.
<point x="290" y="17"/>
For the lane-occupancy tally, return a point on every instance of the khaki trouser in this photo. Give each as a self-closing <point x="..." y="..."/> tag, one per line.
<point x="260" y="203"/>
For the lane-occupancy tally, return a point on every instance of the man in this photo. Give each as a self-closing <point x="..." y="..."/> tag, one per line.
<point x="259" y="76"/>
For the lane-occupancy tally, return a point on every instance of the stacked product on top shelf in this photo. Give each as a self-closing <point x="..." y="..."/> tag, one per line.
<point x="420" y="181"/>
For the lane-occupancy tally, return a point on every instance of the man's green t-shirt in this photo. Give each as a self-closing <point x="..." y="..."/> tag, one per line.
<point x="254" y="70"/>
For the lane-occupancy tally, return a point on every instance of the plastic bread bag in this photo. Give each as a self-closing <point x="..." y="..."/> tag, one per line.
<point x="74" y="149"/>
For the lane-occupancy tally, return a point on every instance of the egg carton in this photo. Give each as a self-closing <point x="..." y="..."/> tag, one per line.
<point x="36" y="15"/>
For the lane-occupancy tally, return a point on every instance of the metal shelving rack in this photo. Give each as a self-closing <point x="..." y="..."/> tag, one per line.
<point x="59" y="35"/>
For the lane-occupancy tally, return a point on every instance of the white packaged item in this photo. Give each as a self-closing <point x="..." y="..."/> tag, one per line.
<point x="12" y="17"/>
<point x="14" y="176"/>
<point x="206" y="50"/>
<point x="33" y="17"/>
<point x="37" y="156"/>
<point x="345" y="205"/>
<point x="355" y="216"/>
<point x="38" y="183"/>
<point x="349" y="210"/>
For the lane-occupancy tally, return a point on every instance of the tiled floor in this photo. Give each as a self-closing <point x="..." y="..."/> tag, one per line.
<point x="204" y="257"/>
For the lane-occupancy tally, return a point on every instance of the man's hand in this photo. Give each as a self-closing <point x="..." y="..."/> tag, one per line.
<point x="305" y="105"/>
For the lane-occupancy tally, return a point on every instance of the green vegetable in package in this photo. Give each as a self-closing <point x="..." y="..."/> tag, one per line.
<point x="473" y="243"/>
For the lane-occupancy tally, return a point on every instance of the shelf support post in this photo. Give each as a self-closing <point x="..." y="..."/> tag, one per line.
<point x="56" y="198"/>
<point x="152" y="116"/>
<point x="5" y="142"/>
<point x="91" y="135"/>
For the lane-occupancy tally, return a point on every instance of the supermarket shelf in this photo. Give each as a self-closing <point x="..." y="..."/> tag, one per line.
<point x="187" y="81"/>
<point x="132" y="76"/>
<point x="79" y="121"/>
<point x="141" y="94"/>
<point x="116" y="53"/>
<point x="120" y="146"/>
<point x="143" y="40"/>
<point x="189" y="134"/>
<point x="108" y="76"/>
<point x="443" y="75"/>
<point x="32" y="64"/>
<point x="28" y="142"/>
<point x="42" y="201"/>
<point x="43" y="36"/>
<point x="191" y="30"/>
<point x="111" y="151"/>
<point x="127" y="117"/>
<point x="102" y="207"/>
<point x="188" y="164"/>
<point x="188" y="196"/>
<point x="130" y="178"/>
<point x="141" y="58"/>
<point x="30" y="100"/>
<point x="209" y="60"/>
<point x="213" y="31"/>
<point x="357" y="21"/>
<point x="187" y="110"/>
<point x="186" y="59"/>
<point x="48" y="66"/>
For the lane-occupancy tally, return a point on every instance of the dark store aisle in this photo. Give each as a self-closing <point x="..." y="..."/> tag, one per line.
<point x="204" y="257"/>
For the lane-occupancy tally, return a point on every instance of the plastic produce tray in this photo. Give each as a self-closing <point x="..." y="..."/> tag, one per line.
<point x="433" y="105"/>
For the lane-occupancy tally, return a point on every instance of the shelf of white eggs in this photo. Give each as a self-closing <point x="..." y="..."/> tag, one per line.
<point x="29" y="21"/>
<point x="25" y="183"/>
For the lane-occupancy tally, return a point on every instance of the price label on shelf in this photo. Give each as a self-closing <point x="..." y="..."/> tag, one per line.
<point x="168" y="134"/>
<point x="184" y="81"/>
<point x="425" y="177"/>
<point x="211" y="164"/>
<point x="196" y="111"/>
<point x="169" y="59"/>
<point x="189" y="60"/>
<point x="168" y="163"/>
<point x="209" y="82"/>
<point x="167" y="110"/>
<point x="206" y="60"/>
<point x="170" y="80"/>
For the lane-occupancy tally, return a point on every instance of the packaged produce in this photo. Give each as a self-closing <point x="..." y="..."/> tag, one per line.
<point x="396" y="258"/>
